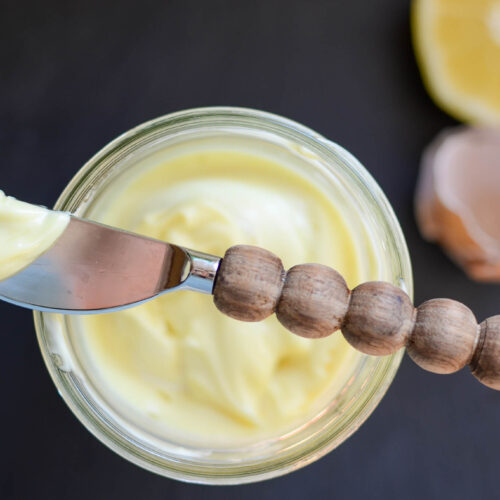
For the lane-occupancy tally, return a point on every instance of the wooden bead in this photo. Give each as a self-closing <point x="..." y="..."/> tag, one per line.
<point x="444" y="336"/>
<point x="379" y="318"/>
<point x="313" y="301"/>
<point x="485" y="364"/>
<point x="248" y="283"/>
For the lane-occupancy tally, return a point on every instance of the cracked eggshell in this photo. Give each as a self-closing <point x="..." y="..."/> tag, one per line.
<point x="457" y="201"/>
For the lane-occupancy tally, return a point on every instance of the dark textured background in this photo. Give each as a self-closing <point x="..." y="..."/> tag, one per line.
<point x="73" y="75"/>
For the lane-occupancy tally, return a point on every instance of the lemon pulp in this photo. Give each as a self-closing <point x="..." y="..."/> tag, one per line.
<point x="458" y="49"/>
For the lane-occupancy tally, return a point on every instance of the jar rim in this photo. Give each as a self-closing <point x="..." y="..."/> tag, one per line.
<point x="72" y="197"/>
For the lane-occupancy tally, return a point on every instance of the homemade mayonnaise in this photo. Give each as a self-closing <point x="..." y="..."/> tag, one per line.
<point x="26" y="232"/>
<point x="182" y="368"/>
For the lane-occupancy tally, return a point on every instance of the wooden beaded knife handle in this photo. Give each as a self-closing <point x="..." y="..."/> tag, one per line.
<point x="377" y="318"/>
<point x="93" y="268"/>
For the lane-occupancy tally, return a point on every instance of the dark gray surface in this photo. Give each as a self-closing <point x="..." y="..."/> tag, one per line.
<point x="73" y="75"/>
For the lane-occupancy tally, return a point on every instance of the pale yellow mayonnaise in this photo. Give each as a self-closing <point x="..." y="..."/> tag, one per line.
<point x="26" y="232"/>
<point x="181" y="367"/>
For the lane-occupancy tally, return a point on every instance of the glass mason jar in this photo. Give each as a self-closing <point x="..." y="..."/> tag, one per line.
<point x="375" y="228"/>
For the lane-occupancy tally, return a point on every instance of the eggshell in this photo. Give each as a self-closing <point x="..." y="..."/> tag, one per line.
<point x="457" y="201"/>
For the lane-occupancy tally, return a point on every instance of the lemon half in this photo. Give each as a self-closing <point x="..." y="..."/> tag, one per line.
<point x="457" y="43"/>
